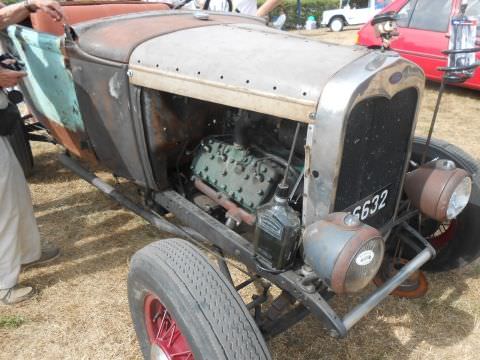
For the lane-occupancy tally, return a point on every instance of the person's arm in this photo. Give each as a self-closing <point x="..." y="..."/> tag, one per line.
<point x="10" y="78"/>
<point x="268" y="6"/>
<point x="15" y="13"/>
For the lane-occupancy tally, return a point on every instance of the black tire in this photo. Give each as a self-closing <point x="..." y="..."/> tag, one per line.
<point x="208" y="311"/>
<point x="464" y="246"/>
<point x="21" y="147"/>
<point x="337" y="24"/>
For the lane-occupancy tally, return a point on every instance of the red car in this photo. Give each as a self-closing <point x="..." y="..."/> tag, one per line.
<point x="424" y="26"/>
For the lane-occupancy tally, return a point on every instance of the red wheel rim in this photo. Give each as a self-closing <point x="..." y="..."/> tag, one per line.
<point x="444" y="234"/>
<point x="166" y="339"/>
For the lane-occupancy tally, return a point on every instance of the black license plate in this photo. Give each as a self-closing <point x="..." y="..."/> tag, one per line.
<point x="372" y="204"/>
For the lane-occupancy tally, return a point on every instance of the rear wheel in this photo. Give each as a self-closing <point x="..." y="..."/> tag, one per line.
<point x="21" y="146"/>
<point x="456" y="241"/>
<point x="336" y="24"/>
<point x="183" y="308"/>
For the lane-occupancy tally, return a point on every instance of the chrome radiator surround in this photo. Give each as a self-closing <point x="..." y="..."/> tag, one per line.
<point x="373" y="75"/>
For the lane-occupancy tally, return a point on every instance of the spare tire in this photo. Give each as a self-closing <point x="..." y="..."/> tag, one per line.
<point x="458" y="241"/>
<point x="21" y="146"/>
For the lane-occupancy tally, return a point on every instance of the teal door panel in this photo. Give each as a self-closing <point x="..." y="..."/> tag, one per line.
<point x="49" y="84"/>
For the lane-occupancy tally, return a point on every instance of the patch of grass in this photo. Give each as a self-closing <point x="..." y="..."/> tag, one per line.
<point x="11" y="321"/>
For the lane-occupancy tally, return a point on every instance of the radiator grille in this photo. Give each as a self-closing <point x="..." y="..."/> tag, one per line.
<point x="376" y="143"/>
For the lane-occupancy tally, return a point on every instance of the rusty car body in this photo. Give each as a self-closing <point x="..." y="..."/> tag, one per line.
<point x="213" y="116"/>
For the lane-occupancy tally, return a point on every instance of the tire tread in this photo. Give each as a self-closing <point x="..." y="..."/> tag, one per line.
<point x="220" y="304"/>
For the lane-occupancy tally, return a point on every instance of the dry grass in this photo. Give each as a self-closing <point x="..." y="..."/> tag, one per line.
<point x="81" y="309"/>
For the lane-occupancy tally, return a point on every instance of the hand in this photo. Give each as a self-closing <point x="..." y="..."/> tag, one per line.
<point x="50" y="7"/>
<point x="9" y="78"/>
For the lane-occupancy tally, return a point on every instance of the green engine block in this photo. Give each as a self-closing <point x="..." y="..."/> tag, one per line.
<point x="243" y="175"/>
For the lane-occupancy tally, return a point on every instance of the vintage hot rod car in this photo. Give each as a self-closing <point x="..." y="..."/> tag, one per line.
<point x="298" y="167"/>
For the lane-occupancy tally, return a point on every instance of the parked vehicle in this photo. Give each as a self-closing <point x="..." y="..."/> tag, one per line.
<point x="423" y="27"/>
<point x="352" y="13"/>
<point x="259" y="161"/>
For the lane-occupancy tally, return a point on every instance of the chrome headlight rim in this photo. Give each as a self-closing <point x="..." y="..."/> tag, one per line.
<point x="347" y="258"/>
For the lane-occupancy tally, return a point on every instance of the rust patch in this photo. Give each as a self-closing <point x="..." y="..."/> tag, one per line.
<point x="233" y="211"/>
<point x="430" y="187"/>
<point x="80" y="11"/>
<point x="129" y="32"/>
<point x="74" y="142"/>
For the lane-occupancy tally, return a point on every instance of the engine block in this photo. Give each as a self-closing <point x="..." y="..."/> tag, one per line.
<point x="246" y="177"/>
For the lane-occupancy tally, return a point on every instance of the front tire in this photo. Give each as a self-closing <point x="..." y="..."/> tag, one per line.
<point x="337" y="24"/>
<point x="175" y="293"/>
<point x="457" y="242"/>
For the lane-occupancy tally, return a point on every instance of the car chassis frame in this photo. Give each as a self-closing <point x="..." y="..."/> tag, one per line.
<point x="202" y="229"/>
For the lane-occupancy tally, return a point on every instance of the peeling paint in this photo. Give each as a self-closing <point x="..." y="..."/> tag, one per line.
<point x="49" y="84"/>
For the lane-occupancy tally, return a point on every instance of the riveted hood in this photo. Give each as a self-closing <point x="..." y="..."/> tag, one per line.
<point x="242" y="64"/>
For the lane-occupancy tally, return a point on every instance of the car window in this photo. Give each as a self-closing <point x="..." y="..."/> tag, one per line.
<point x="431" y="15"/>
<point x="380" y="4"/>
<point x="358" y="4"/>
<point x="473" y="10"/>
<point x="403" y="15"/>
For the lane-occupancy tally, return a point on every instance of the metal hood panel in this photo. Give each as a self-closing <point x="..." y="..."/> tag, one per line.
<point x="248" y="66"/>
<point x="114" y="38"/>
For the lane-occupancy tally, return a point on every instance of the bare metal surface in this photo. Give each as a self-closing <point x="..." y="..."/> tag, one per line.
<point x="233" y="211"/>
<point x="381" y="293"/>
<point x="114" y="38"/>
<point x="362" y="79"/>
<point x="248" y="66"/>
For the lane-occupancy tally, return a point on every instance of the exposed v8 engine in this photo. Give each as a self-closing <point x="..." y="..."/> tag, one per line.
<point x="245" y="175"/>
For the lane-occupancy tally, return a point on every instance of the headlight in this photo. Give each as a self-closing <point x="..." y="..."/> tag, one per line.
<point x="343" y="252"/>
<point x="439" y="189"/>
<point x="460" y="198"/>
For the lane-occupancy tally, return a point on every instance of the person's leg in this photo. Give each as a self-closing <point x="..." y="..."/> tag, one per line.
<point x="19" y="237"/>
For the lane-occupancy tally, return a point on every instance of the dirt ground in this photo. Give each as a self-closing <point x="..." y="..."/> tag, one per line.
<point x="81" y="310"/>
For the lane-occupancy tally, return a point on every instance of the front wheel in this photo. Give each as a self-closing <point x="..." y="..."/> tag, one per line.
<point x="336" y="25"/>
<point x="184" y="309"/>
